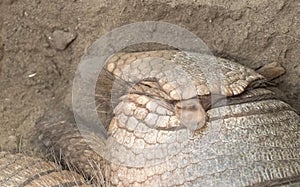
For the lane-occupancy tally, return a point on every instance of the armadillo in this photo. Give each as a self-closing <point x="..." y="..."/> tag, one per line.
<point x="183" y="119"/>
<point x="21" y="170"/>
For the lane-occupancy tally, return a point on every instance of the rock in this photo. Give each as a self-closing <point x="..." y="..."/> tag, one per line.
<point x="61" y="39"/>
<point x="271" y="70"/>
<point x="12" y="143"/>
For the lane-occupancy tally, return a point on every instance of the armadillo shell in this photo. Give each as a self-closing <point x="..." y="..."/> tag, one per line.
<point x="21" y="170"/>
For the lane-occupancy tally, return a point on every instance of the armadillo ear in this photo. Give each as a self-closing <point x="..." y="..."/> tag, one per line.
<point x="191" y="114"/>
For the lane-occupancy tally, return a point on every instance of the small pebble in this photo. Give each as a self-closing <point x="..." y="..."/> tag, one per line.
<point x="272" y="70"/>
<point x="61" y="39"/>
<point x="32" y="75"/>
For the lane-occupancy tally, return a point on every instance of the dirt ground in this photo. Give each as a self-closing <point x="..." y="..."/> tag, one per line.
<point x="41" y="43"/>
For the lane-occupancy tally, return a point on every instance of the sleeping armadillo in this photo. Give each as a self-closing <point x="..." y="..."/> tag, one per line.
<point x="174" y="118"/>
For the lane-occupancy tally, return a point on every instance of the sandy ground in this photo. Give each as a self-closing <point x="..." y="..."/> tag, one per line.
<point x="41" y="43"/>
